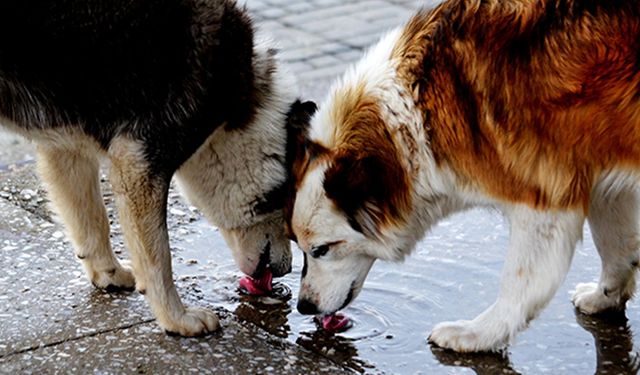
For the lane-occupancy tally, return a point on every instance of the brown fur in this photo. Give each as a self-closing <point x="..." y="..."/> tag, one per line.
<point x="308" y="154"/>
<point x="366" y="178"/>
<point x="528" y="101"/>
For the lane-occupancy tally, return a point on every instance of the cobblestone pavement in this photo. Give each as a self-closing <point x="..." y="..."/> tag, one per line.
<point x="319" y="38"/>
<point x="53" y="321"/>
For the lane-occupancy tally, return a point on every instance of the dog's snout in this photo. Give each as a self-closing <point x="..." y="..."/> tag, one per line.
<point x="307" y="307"/>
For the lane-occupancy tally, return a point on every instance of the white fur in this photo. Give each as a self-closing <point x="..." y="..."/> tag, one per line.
<point x="541" y="247"/>
<point x="233" y="167"/>
<point x="613" y="218"/>
<point x="541" y="243"/>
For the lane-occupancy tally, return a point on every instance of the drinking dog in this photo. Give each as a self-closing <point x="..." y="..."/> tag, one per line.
<point x="160" y="88"/>
<point x="530" y="107"/>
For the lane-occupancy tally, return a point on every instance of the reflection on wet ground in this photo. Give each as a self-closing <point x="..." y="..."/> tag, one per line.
<point x="269" y="313"/>
<point x="454" y="274"/>
<point x="613" y="341"/>
<point x="480" y="363"/>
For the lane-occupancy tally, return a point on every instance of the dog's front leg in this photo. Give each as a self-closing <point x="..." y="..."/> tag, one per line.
<point x="540" y="250"/>
<point x="613" y="218"/>
<point x="141" y="198"/>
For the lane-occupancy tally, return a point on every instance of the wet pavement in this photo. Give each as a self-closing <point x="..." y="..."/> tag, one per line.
<point x="52" y="320"/>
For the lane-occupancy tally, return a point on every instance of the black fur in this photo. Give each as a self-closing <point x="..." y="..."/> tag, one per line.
<point x="304" y="267"/>
<point x="297" y="125"/>
<point x="165" y="72"/>
<point x="265" y="256"/>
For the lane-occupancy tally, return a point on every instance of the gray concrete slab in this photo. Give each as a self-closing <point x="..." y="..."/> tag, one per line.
<point x="143" y="348"/>
<point x="14" y="149"/>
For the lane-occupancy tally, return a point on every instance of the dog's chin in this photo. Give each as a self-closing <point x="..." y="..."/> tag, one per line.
<point x="353" y="292"/>
<point x="278" y="269"/>
<point x="280" y="258"/>
<point x="256" y="248"/>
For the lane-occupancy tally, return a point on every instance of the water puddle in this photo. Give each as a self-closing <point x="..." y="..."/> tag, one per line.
<point x="454" y="274"/>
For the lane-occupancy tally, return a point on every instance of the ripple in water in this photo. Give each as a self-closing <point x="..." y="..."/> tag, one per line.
<point x="453" y="275"/>
<point x="390" y="320"/>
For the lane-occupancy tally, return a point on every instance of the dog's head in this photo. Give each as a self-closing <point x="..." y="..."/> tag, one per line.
<point x="266" y="242"/>
<point x="352" y="191"/>
<point x="239" y="178"/>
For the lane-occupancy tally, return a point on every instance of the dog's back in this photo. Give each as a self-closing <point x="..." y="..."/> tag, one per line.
<point x="115" y="66"/>
<point x="541" y="97"/>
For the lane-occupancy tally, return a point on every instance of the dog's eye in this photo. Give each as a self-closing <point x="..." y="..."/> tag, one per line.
<point x="319" y="251"/>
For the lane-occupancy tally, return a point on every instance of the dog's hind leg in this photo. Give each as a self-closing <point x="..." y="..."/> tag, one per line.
<point x="71" y="176"/>
<point x="141" y="197"/>
<point x="540" y="250"/>
<point x="613" y="218"/>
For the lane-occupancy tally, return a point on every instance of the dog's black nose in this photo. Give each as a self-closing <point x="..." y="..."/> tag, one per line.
<point x="307" y="307"/>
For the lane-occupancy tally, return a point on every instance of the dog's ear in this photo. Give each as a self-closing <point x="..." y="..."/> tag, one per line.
<point x="297" y="126"/>
<point x="299" y="115"/>
<point x="371" y="190"/>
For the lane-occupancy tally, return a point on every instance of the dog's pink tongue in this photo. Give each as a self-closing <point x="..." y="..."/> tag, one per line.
<point x="258" y="287"/>
<point x="335" y="323"/>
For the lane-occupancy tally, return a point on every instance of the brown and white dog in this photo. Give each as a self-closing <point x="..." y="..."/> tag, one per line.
<point x="160" y="88"/>
<point x="531" y="107"/>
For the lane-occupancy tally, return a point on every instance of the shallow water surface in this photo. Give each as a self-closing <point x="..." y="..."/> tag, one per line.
<point x="453" y="274"/>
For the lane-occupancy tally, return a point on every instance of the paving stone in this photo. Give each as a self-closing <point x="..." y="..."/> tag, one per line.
<point x="299" y="7"/>
<point x="325" y="61"/>
<point x="253" y="5"/>
<point x="328" y="72"/>
<point x="364" y="41"/>
<point x="273" y="13"/>
<point x="299" y="66"/>
<point x="301" y="20"/>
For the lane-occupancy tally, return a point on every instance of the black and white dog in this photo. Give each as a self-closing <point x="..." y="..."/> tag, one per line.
<point x="159" y="87"/>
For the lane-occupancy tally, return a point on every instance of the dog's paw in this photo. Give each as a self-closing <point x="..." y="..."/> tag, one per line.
<point x="466" y="336"/>
<point x="589" y="298"/>
<point x="118" y="277"/>
<point x="194" y="322"/>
